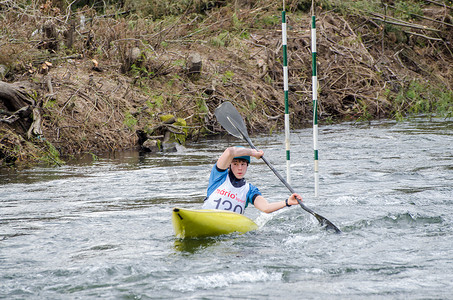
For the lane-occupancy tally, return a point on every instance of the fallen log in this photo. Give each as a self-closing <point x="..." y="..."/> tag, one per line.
<point x="19" y="110"/>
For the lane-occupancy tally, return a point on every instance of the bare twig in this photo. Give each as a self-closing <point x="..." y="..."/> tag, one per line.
<point x="439" y="4"/>
<point x="424" y="36"/>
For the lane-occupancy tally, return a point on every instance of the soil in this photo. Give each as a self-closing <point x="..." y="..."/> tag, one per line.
<point x="118" y="79"/>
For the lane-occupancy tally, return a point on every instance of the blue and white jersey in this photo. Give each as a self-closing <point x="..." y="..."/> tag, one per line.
<point x="226" y="192"/>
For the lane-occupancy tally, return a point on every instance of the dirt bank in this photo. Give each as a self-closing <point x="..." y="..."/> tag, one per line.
<point x="103" y="79"/>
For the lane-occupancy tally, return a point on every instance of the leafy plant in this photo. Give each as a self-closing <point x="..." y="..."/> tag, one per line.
<point x="202" y="107"/>
<point x="221" y="40"/>
<point x="130" y="121"/>
<point x="268" y="21"/>
<point x="51" y="155"/>
<point x="227" y="76"/>
<point x="420" y="98"/>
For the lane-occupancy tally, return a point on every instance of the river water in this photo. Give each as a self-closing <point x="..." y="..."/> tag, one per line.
<point x="103" y="229"/>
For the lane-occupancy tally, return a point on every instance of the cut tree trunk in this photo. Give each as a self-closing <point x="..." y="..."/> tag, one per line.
<point x="19" y="110"/>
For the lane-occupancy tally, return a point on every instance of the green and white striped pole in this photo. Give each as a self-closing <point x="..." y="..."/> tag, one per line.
<point x="285" y="89"/>
<point x="315" y="100"/>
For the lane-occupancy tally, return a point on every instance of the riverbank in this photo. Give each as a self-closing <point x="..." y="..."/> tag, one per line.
<point x="105" y="78"/>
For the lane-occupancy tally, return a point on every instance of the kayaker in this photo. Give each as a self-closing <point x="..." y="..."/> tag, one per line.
<point x="228" y="190"/>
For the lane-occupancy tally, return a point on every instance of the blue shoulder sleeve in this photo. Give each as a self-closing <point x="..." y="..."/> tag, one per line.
<point x="253" y="192"/>
<point x="216" y="178"/>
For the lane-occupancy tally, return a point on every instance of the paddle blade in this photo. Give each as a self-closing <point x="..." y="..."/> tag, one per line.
<point x="328" y="225"/>
<point x="231" y="120"/>
<point x="322" y="221"/>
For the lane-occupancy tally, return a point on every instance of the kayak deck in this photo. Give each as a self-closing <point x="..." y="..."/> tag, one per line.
<point x="191" y="223"/>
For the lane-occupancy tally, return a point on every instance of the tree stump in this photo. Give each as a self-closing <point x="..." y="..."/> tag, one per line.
<point x="133" y="57"/>
<point x="19" y="110"/>
<point x="194" y="64"/>
<point x="69" y="34"/>
<point x="50" y="36"/>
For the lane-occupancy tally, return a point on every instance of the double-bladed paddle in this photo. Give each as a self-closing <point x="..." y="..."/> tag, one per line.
<point x="231" y="121"/>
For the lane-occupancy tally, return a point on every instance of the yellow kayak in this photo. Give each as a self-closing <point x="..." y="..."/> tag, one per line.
<point x="191" y="223"/>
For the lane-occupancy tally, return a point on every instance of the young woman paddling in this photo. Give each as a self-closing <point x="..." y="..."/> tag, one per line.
<point x="228" y="190"/>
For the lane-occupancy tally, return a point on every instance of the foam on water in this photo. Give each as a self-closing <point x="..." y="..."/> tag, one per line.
<point x="223" y="279"/>
<point x="102" y="229"/>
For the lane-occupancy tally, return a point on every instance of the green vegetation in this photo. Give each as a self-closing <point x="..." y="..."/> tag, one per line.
<point x="227" y="76"/>
<point x="15" y="150"/>
<point x="130" y="63"/>
<point x="421" y="98"/>
<point x="50" y="155"/>
<point x="130" y="121"/>
<point x="221" y="40"/>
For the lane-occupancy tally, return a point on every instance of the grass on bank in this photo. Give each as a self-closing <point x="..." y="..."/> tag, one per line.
<point x="421" y="98"/>
<point x="157" y="25"/>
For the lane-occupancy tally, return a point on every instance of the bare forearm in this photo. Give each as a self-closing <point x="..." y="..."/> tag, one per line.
<point x="274" y="206"/>
<point x="262" y="204"/>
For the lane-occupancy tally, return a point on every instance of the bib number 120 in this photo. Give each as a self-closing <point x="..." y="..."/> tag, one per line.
<point x="227" y="205"/>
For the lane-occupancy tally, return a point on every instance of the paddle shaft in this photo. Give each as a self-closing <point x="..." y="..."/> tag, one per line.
<point x="236" y="121"/>
<point x="249" y="141"/>
<point x="279" y="176"/>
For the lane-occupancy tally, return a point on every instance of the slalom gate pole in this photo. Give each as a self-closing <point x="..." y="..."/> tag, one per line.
<point x="315" y="99"/>
<point x="285" y="89"/>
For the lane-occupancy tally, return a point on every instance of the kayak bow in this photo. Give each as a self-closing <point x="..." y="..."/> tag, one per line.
<point x="192" y="223"/>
